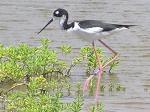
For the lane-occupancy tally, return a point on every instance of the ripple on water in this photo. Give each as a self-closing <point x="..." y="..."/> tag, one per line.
<point x="20" y="20"/>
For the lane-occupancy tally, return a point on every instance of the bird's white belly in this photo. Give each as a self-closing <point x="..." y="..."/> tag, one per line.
<point x="89" y="37"/>
<point x="91" y="30"/>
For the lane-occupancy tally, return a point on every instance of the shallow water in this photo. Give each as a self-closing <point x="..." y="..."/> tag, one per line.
<point x="21" y="19"/>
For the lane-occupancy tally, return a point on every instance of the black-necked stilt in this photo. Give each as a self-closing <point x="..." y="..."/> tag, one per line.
<point x="91" y="27"/>
<point x="87" y="26"/>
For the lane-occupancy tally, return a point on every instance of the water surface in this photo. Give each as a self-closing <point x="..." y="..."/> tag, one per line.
<point x="21" y="19"/>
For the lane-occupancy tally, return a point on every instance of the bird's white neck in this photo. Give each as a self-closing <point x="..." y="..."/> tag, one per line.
<point x="63" y="21"/>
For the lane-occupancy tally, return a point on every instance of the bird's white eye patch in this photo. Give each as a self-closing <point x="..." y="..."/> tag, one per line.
<point x="57" y="12"/>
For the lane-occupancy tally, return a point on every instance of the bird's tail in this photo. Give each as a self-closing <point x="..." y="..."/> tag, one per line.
<point x="126" y="26"/>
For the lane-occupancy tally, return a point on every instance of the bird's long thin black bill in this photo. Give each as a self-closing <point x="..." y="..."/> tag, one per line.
<point x="45" y="26"/>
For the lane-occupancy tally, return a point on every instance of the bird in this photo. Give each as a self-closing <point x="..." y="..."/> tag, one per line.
<point x="90" y="27"/>
<point x="87" y="26"/>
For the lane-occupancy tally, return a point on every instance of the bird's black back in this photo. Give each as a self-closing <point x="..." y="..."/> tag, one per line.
<point x="96" y="23"/>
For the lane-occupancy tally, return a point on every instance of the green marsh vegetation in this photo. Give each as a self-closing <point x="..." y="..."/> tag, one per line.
<point x="44" y="78"/>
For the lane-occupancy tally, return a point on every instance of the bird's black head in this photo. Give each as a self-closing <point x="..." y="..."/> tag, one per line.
<point x="57" y="13"/>
<point x="60" y="12"/>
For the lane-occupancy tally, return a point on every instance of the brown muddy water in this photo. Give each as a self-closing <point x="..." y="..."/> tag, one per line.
<point x="21" y="19"/>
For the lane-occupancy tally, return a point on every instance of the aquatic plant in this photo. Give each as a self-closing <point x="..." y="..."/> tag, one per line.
<point x="45" y="77"/>
<point x="24" y="61"/>
<point x="97" y="108"/>
<point x="36" y="98"/>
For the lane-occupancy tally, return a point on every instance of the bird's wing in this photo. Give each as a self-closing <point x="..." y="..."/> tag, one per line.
<point x="99" y="24"/>
<point x="95" y="24"/>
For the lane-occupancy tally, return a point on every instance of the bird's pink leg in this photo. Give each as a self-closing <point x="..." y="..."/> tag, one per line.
<point x="86" y="83"/>
<point x="98" y="83"/>
<point x="101" y="67"/>
<point x="99" y="73"/>
<point x="115" y="54"/>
